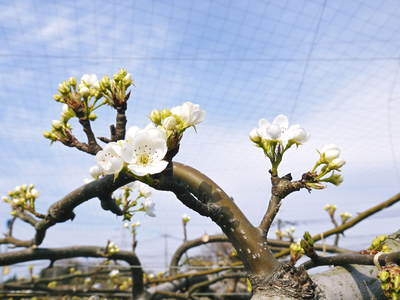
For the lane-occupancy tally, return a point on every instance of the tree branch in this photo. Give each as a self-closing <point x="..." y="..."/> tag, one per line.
<point x="281" y="187"/>
<point x="62" y="210"/>
<point x="352" y="259"/>
<point x="352" y="222"/>
<point x="93" y="147"/>
<point x="213" y="202"/>
<point x="54" y="254"/>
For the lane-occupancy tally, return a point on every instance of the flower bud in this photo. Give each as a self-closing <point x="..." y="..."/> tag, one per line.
<point x="274" y="131"/>
<point x="95" y="171"/>
<point x="254" y="136"/>
<point x="92" y="116"/>
<point x="345" y="217"/>
<point x="330" y="209"/>
<point x="169" y="123"/>
<point x="105" y="83"/>
<point x="330" y="152"/>
<point x="63" y="88"/>
<point x="34" y="193"/>
<point x="155" y="117"/>
<point x="165" y="113"/>
<point x="185" y="218"/>
<point x="57" y="97"/>
<point x="83" y="90"/>
<point x="337" y="163"/>
<point x="384" y="275"/>
<point x="57" y="125"/>
<point x="72" y="81"/>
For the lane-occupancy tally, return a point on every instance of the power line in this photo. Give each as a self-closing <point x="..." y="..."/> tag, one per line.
<point x="308" y="59"/>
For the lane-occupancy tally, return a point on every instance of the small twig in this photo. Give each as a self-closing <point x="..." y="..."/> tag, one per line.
<point x="93" y="147"/>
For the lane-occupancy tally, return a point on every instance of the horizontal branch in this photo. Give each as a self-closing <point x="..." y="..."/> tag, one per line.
<point x="352" y="259"/>
<point x="54" y="254"/>
<point x="352" y="222"/>
<point x="221" y="238"/>
<point x="62" y="210"/>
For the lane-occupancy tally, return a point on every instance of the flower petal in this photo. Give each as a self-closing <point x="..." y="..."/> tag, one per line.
<point x="282" y="121"/>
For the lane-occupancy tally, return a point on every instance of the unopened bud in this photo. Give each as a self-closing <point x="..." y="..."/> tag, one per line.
<point x="57" y="125"/>
<point x="92" y="116"/>
<point x="169" y="123"/>
<point x="155" y="117"/>
<point x="165" y="113"/>
<point x="72" y="81"/>
<point x="185" y="218"/>
<point x="254" y="136"/>
<point x="57" y="97"/>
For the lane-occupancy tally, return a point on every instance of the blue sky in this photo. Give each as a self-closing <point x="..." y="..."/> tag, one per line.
<point x="330" y="66"/>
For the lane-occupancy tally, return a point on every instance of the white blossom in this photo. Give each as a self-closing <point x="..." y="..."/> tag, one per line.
<point x="145" y="150"/>
<point x="109" y="160"/>
<point x="83" y="90"/>
<point x="34" y="193"/>
<point x="149" y="207"/>
<point x="90" y="80"/>
<point x="330" y="152"/>
<point x="190" y="114"/>
<point x="169" y="123"/>
<point x="279" y="130"/>
<point x="337" y="163"/>
<point x="96" y="171"/>
<point x="143" y="189"/>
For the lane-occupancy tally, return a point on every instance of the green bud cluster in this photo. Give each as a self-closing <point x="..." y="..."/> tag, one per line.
<point x="111" y="249"/>
<point x="307" y="244"/>
<point x="379" y="245"/>
<point x="22" y="197"/>
<point x="114" y="90"/>
<point x="390" y="281"/>
<point x="129" y="203"/>
<point x="296" y="252"/>
<point x="60" y="131"/>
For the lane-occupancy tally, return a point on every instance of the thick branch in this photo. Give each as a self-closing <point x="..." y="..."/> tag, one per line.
<point x="221" y="238"/>
<point x="210" y="200"/>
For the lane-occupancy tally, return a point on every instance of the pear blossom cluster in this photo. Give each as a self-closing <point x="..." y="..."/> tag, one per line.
<point x="330" y="161"/>
<point x="83" y="98"/>
<point x="143" y="150"/>
<point x="277" y="137"/>
<point x="130" y="204"/>
<point x="178" y="118"/>
<point x="111" y="248"/>
<point x="22" y="197"/>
